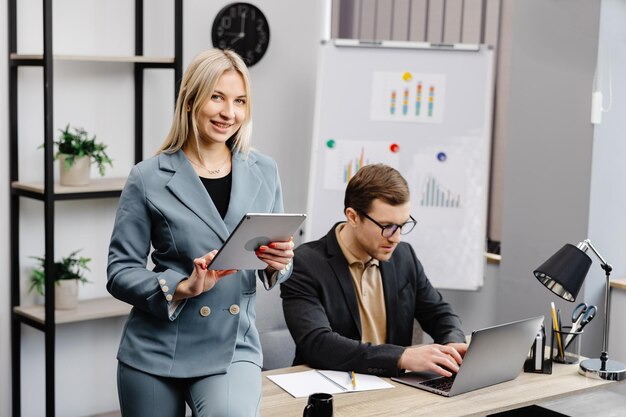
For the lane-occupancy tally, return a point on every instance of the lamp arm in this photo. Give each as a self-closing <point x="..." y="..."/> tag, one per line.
<point x="605" y="264"/>
<point x="607" y="297"/>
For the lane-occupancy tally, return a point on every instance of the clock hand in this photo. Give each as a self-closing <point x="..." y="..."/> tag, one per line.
<point x="243" y="25"/>
<point x="235" y="39"/>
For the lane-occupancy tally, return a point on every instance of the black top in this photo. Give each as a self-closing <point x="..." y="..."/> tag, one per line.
<point x="219" y="191"/>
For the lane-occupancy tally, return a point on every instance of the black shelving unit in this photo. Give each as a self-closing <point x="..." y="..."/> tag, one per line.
<point x="47" y="192"/>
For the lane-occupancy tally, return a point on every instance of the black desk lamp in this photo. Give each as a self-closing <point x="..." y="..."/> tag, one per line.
<point x="563" y="274"/>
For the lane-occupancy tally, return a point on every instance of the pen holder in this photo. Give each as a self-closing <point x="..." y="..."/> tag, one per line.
<point x="566" y="345"/>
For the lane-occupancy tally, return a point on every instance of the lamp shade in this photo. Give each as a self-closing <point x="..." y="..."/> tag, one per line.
<point x="565" y="272"/>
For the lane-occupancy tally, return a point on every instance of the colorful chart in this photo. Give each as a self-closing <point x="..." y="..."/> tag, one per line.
<point x="421" y="95"/>
<point x="418" y="99"/>
<point x="353" y="166"/>
<point x="346" y="157"/>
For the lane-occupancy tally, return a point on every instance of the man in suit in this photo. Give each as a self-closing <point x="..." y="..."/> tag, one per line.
<point x="353" y="294"/>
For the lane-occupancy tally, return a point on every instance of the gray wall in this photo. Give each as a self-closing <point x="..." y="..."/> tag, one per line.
<point x="607" y="227"/>
<point x="548" y="157"/>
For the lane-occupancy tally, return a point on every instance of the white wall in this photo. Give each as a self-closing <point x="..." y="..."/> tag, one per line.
<point x="99" y="98"/>
<point x="283" y="83"/>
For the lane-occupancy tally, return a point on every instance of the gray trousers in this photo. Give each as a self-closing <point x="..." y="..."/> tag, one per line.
<point x="236" y="393"/>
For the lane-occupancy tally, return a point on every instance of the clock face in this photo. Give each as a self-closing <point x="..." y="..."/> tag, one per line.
<point x="243" y="28"/>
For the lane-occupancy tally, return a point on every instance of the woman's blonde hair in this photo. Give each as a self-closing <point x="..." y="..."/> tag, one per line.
<point x="196" y="88"/>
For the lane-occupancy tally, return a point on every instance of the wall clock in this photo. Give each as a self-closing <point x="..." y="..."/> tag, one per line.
<point x="243" y="28"/>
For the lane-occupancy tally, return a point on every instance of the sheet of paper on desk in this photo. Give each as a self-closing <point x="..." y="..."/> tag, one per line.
<point x="303" y="384"/>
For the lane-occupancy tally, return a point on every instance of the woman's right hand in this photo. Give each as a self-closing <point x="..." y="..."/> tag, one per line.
<point x="201" y="279"/>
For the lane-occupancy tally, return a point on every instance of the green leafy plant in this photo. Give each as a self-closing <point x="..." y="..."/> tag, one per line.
<point x="70" y="267"/>
<point x="77" y="144"/>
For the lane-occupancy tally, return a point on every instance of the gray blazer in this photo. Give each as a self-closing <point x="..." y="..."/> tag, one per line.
<point x="165" y="205"/>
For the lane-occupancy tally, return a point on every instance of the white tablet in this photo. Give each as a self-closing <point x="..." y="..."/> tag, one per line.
<point x="254" y="230"/>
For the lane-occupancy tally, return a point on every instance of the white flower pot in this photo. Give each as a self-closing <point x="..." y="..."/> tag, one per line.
<point x="78" y="174"/>
<point x="66" y="294"/>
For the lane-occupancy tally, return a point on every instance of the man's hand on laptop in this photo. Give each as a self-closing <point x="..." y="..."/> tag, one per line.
<point x="460" y="347"/>
<point x="441" y="359"/>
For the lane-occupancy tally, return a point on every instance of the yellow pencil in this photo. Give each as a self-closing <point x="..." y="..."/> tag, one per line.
<point x="353" y="377"/>
<point x="555" y="325"/>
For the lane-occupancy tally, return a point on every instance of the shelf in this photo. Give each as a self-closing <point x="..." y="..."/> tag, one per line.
<point x="96" y="308"/>
<point x="111" y="414"/>
<point x="619" y="283"/>
<point x="97" y="58"/>
<point x="493" y="258"/>
<point x="97" y="63"/>
<point x="99" y="187"/>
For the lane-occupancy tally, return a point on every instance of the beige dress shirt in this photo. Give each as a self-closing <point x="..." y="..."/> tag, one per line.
<point x="368" y="285"/>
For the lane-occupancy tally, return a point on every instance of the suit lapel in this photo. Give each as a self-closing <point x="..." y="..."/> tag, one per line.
<point x="246" y="186"/>
<point x="390" y="288"/>
<point x="188" y="188"/>
<point x="339" y="265"/>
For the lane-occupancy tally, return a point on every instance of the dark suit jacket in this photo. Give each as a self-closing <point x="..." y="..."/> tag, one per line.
<point x="322" y="314"/>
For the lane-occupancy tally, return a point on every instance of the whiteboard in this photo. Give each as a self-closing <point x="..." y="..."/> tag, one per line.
<point x="425" y="111"/>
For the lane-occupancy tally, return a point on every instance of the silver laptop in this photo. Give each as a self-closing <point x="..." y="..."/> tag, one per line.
<point x="495" y="354"/>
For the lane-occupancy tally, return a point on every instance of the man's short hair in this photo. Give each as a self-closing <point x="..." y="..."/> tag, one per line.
<point x="376" y="181"/>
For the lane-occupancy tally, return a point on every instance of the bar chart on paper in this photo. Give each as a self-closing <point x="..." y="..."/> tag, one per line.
<point x="353" y="165"/>
<point x="447" y="194"/>
<point x="435" y="195"/>
<point x="345" y="157"/>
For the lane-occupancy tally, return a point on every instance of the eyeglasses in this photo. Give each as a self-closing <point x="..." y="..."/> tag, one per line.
<point x="390" y="229"/>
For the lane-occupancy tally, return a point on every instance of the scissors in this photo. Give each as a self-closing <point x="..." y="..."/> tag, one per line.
<point x="581" y="316"/>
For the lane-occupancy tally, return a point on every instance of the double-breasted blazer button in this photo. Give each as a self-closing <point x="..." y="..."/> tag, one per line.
<point x="162" y="281"/>
<point x="165" y="288"/>
<point x="234" y="309"/>
<point x="205" y="311"/>
<point x="169" y="297"/>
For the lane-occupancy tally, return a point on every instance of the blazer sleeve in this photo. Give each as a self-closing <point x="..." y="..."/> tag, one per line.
<point x="317" y="343"/>
<point x="435" y="316"/>
<point x="128" y="278"/>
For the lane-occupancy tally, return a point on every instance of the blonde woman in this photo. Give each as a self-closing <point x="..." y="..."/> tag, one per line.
<point x="191" y="335"/>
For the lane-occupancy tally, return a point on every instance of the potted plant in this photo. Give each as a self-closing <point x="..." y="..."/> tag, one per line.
<point x="67" y="274"/>
<point x="76" y="151"/>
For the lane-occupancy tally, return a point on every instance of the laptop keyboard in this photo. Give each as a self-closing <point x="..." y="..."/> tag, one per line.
<point x="441" y="384"/>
